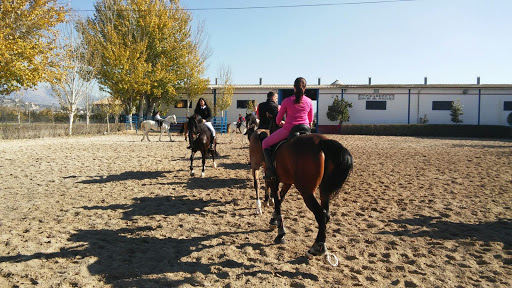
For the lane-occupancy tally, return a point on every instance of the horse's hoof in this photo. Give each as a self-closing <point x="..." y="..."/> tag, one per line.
<point x="318" y="249"/>
<point x="192" y="173"/>
<point x="202" y="174"/>
<point x="280" y="239"/>
<point x="214" y="165"/>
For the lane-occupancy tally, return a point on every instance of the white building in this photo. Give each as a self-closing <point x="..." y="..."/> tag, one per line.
<point x="483" y="104"/>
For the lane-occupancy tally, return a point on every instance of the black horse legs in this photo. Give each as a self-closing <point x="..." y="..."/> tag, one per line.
<point x="321" y="216"/>
<point x="191" y="164"/>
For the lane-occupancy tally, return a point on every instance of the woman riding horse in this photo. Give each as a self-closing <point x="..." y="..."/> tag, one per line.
<point x="298" y="110"/>
<point x="309" y="162"/>
<point x="203" y="110"/>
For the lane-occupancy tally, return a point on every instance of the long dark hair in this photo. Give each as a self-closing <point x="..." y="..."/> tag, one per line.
<point x="198" y="106"/>
<point x="300" y="89"/>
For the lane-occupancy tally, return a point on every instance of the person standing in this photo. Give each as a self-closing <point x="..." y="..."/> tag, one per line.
<point x="239" y="123"/>
<point x="202" y="109"/>
<point x="298" y="110"/>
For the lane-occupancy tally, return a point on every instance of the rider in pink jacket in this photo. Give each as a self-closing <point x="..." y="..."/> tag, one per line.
<point x="298" y="110"/>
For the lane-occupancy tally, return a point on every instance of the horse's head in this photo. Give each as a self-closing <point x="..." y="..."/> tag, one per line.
<point x="171" y="119"/>
<point x="193" y="127"/>
<point x="250" y="121"/>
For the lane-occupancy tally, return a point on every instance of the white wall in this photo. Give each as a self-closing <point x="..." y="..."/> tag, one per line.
<point x="402" y="109"/>
<point x="491" y="104"/>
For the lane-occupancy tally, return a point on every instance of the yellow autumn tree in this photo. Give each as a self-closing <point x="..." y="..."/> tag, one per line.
<point x="225" y="90"/>
<point x="143" y="46"/>
<point x="27" y="43"/>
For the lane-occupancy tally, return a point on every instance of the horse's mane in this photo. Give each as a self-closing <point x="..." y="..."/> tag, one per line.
<point x="193" y="124"/>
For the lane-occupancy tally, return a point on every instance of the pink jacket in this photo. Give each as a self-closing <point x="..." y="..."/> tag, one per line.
<point x="301" y="113"/>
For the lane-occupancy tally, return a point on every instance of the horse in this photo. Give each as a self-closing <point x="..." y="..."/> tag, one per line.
<point x="257" y="160"/>
<point x="199" y="140"/>
<point x="250" y="122"/>
<point x="184" y="130"/>
<point x="309" y="162"/>
<point x="149" y="125"/>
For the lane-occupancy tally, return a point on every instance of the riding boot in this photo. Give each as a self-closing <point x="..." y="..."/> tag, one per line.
<point x="270" y="175"/>
<point x="212" y="139"/>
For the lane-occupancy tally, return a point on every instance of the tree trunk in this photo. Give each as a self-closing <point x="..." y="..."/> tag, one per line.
<point x="108" y="124"/>
<point x="141" y="109"/>
<point x="71" y="123"/>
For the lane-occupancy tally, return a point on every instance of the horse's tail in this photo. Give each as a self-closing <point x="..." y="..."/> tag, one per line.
<point x="338" y="164"/>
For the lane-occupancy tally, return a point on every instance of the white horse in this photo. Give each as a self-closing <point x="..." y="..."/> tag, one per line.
<point x="149" y="125"/>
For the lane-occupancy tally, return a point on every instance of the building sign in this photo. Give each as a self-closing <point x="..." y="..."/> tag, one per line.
<point x="374" y="96"/>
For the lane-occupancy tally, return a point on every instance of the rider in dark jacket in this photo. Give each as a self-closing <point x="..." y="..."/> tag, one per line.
<point x="203" y="110"/>
<point x="270" y="106"/>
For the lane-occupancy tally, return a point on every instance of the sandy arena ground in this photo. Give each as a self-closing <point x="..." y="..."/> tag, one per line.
<point x="112" y="211"/>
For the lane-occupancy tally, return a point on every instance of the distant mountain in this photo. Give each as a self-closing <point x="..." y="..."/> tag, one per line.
<point x="40" y="96"/>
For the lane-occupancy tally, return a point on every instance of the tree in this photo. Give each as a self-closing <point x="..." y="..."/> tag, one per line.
<point x="338" y="111"/>
<point x="110" y="106"/>
<point x="251" y="107"/>
<point x="225" y="91"/>
<point x="456" y="112"/>
<point x="143" y="46"/>
<point x="424" y="119"/>
<point x="194" y="84"/>
<point x="27" y="43"/>
<point x="76" y="80"/>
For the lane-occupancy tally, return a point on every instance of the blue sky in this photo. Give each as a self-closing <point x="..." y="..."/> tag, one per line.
<point x="448" y="41"/>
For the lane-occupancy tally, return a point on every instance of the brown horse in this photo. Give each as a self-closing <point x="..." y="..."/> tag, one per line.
<point x="199" y="140"/>
<point x="257" y="161"/>
<point x="310" y="161"/>
<point x="185" y="130"/>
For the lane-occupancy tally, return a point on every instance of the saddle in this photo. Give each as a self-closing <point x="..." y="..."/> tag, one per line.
<point x="297" y="130"/>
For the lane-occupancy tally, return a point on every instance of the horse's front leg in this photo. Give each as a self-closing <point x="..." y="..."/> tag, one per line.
<point x="203" y="161"/>
<point x="256" y="184"/>
<point x="214" y="152"/>
<point x="277" y="218"/>
<point x="192" y="173"/>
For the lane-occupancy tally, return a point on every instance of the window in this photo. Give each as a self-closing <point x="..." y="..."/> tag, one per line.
<point x="442" y="105"/>
<point x="181" y="104"/>
<point x="507" y="106"/>
<point x="376" y="105"/>
<point x="242" y="104"/>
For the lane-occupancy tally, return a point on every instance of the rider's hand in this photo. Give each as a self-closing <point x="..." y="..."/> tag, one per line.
<point x="281" y="124"/>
